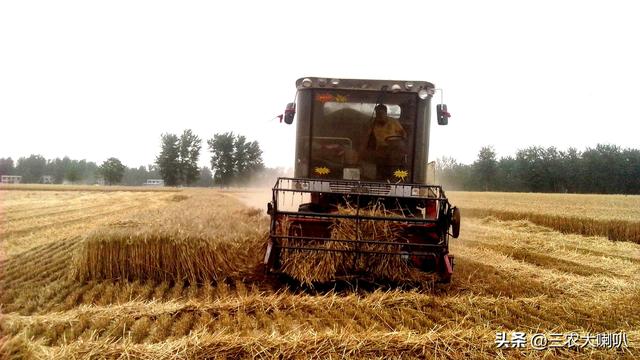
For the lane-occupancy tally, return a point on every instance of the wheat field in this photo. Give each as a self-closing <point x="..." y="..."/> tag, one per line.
<point x="616" y="217"/>
<point x="154" y="275"/>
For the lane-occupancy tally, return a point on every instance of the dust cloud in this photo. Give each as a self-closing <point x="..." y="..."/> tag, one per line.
<point x="252" y="197"/>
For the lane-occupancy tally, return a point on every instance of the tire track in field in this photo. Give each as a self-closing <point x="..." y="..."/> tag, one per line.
<point x="77" y="204"/>
<point x="57" y="200"/>
<point x="66" y="210"/>
<point x="32" y="229"/>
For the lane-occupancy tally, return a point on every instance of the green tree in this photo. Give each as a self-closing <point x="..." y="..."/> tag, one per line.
<point x="137" y="177"/>
<point x="604" y="167"/>
<point x="190" y="145"/>
<point x="6" y="166"/>
<point x="506" y="179"/>
<point x="169" y="159"/>
<point x="206" y="177"/>
<point x="134" y="176"/>
<point x="247" y="158"/>
<point x="486" y="167"/>
<point x="90" y="171"/>
<point x="254" y="158"/>
<point x="632" y="173"/>
<point x="222" y="158"/>
<point x="573" y="170"/>
<point x="57" y="168"/>
<point x="32" y="168"/>
<point x="531" y="169"/>
<point x="73" y="171"/>
<point x="240" y="157"/>
<point x="153" y="171"/>
<point x="112" y="171"/>
<point x="555" y="174"/>
<point x="234" y="160"/>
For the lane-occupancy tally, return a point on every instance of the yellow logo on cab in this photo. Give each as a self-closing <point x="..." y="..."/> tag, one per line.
<point x="322" y="170"/>
<point x="401" y="174"/>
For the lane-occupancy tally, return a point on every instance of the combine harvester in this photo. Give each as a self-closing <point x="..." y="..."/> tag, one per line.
<point x="361" y="158"/>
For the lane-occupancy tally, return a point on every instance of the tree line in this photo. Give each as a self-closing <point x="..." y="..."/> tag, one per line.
<point x="604" y="169"/>
<point x="37" y="169"/>
<point x="234" y="161"/>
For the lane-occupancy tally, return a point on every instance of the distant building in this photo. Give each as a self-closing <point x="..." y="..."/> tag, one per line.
<point x="10" y="179"/>
<point x="46" y="179"/>
<point x="154" y="182"/>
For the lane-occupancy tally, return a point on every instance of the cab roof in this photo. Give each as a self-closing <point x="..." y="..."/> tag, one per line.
<point x="363" y="84"/>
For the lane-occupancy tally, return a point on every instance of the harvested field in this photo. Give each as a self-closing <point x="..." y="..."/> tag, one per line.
<point x="60" y="299"/>
<point x="58" y="188"/>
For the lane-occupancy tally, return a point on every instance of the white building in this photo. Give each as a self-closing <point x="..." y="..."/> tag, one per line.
<point x="154" y="182"/>
<point x="46" y="179"/>
<point x="10" y="179"/>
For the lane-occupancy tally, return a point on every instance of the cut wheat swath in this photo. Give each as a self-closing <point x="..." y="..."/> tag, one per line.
<point x="188" y="241"/>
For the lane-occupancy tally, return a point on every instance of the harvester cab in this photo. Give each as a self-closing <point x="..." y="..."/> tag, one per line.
<point x="359" y="196"/>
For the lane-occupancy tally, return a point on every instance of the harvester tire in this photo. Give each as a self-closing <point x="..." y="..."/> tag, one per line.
<point x="455" y="222"/>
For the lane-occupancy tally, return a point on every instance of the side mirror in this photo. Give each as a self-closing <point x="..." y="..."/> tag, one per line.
<point x="443" y="114"/>
<point x="289" y="113"/>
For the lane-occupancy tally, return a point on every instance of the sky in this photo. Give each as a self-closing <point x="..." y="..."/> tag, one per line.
<point x="92" y="80"/>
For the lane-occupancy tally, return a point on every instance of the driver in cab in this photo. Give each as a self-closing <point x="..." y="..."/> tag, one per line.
<point x="385" y="129"/>
<point x="386" y="145"/>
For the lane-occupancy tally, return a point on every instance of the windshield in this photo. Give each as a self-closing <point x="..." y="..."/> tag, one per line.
<point x="361" y="135"/>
